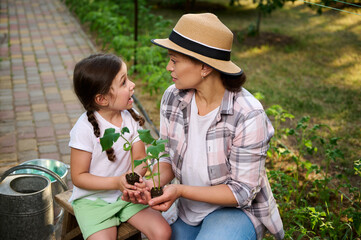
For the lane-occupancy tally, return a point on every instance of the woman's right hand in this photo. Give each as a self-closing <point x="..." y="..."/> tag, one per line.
<point x="164" y="202"/>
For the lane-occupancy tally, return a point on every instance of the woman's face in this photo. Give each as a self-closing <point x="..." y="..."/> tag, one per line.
<point x="185" y="73"/>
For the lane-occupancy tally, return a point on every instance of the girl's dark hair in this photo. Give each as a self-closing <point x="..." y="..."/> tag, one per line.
<point x="94" y="75"/>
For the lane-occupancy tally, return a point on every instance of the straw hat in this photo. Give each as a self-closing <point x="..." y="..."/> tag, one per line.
<point x="204" y="37"/>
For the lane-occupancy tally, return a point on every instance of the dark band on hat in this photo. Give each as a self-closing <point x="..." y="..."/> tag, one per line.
<point x="199" y="48"/>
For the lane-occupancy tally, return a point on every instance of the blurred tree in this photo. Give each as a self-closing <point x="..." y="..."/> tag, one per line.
<point x="265" y="7"/>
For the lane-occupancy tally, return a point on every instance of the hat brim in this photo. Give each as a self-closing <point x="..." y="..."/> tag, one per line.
<point x="227" y="67"/>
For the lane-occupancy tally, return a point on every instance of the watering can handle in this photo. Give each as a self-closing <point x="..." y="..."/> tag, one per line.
<point x="31" y="166"/>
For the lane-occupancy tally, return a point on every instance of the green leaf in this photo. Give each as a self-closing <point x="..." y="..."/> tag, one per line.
<point x="138" y="162"/>
<point x="333" y="141"/>
<point x="125" y="130"/>
<point x="308" y="143"/>
<point x="155" y="150"/>
<point x="145" y="136"/>
<point x="164" y="155"/>
<point x="108" y="138"/>
<point x="161" y="141"/>
<point x="269" y="153"/>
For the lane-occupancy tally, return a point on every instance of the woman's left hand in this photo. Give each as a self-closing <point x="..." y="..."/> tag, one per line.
<point x="164" y="202"/>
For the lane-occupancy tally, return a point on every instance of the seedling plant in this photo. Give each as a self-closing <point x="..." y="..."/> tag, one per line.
<point x="107" y="141"/>
<point x="154" y="150"/>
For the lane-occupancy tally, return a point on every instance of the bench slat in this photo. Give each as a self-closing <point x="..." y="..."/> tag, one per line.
<point x="63" y="200"/>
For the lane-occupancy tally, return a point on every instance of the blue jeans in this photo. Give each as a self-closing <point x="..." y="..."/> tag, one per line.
<point x="224" y="223"/>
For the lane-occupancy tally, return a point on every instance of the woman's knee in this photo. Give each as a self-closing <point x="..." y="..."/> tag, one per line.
<point x="181" y="230"/>
<point x="227" y="223"/>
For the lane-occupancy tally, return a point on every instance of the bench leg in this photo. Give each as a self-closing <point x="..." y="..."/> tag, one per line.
<point x="70" y="228"/>
<point x="137" y="236"/>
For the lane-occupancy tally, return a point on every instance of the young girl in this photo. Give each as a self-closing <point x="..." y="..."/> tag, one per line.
<point x="103" y="87"/>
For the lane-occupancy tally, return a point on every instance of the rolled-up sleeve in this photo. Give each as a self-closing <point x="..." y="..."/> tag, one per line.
<point x="248" y="154"/>
<point x="164" y="125"/>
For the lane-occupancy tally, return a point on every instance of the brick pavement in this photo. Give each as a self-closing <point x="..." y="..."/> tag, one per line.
<point x="40" y="42"/>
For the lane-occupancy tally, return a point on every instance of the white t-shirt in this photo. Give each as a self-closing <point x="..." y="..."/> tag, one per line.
<point x="194" y="169"/>
<point x="82" y="137"/>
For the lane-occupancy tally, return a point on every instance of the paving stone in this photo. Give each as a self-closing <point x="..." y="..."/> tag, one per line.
<point x="23" y="116"/>
<point x="61" y="121"/>
<point x="27" y="144"/>
<point x="8" y="140"/>
<point x="7" y="159"/>
<point x="7" y="126"/>
<point x="55" y="156"/>
<point x="64" y="148"/>
<point x="47" y="149"/>
<point x="44" y="123"/>
<point x="42" y="132"/>
<point x="27" y="155"/>
<point x="6" y="115"/>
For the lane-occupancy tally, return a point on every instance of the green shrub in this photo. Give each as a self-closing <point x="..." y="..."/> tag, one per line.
<point x="313" y="203"/>
<point x="112" y="22"/>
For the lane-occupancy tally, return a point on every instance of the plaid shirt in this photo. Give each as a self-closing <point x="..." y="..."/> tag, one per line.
<point x="237" y="143"/>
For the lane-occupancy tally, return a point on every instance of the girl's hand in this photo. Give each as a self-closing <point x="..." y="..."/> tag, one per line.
<point x="164" y="202"/>
<point x="144" y="185"/>
<point x="142" y="195"/>
<point x="124" y="185"/>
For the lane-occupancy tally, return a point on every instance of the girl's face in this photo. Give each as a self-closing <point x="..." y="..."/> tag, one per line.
<point x="121" y="91"/>
<point x="185" y="73"/>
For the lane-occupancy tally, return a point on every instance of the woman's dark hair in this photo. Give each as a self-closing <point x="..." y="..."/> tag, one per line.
<point x="233" y="83"/>
<point x="94" y="75"/>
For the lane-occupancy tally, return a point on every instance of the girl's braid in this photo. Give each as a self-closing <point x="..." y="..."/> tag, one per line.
<point x="93" y="121"/>
<point x="136" y="117"/>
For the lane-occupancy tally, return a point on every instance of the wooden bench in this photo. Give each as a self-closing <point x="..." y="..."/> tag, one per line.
<point x="71" y="230"/>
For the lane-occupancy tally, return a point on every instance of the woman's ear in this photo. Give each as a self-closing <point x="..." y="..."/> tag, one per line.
<point x="101" y="100"/>
<point x="206" y="70"/>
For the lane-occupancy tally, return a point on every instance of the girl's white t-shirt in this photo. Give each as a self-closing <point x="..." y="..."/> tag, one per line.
<point x="82" y="137"/>
<point x="194" y="169"/>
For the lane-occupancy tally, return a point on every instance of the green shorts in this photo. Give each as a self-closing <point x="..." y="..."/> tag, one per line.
<point x="93" y="216"/>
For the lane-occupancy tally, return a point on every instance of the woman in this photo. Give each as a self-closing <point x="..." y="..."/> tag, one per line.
<point x="218" y="139"/>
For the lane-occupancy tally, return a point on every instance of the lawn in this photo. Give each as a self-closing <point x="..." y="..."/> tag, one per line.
<point x="313" y="69"/>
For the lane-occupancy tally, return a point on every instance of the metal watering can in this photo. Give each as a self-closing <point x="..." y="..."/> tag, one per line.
<point x="26" y="204"/>
<point x="55" y="166"/>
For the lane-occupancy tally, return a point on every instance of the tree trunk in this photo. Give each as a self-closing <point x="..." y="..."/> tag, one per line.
<point x="258" y="26"/>
<point x="135" y="32"/>
<point x="190" y="5"/>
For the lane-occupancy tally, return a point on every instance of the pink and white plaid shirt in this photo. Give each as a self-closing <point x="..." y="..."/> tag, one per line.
<point x="237" y="143"/>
